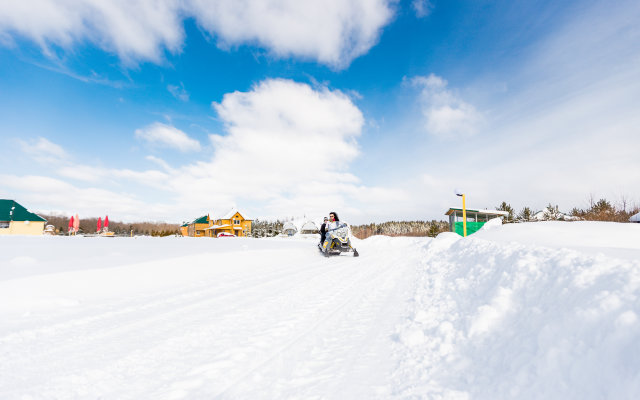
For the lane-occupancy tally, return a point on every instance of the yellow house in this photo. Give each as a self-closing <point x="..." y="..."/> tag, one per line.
<point x="232" y="223"/>
<point x="184" y="229"/>
<point x="17" y="220"/>
<point x="197" y="228"/>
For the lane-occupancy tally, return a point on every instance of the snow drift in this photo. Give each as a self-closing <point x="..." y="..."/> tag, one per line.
<point x="495" y="316"/>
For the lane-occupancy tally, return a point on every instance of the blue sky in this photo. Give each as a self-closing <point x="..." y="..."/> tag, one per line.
<point x="377" y="109"/>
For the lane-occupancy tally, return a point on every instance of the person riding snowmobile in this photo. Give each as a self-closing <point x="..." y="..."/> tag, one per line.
<point x="333" y="221"/>
<point x="337" y="237"/>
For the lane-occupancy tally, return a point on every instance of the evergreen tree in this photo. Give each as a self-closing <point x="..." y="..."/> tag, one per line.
<point x="433" y="230"/>
<point x="552" y="213"/>
<point x="506" y="207"/>
<point x="576" y="212"/>
<point x="525" y="214"/>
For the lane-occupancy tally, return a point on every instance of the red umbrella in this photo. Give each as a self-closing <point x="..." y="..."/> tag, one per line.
<point x="70" y="224"/>
<point x="99" y="224"/>
<point x="106" y="222"/>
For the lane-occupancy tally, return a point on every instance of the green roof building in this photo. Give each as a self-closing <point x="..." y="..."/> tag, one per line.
<point x="17" y="220"/>
<point x="475" y="219"/>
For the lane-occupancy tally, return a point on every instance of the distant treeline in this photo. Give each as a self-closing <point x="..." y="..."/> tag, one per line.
<point x="401" y="228"/>
<point x="89" y="225"/>
<point x="601" y="210"/>
<point x="393" y="228"/>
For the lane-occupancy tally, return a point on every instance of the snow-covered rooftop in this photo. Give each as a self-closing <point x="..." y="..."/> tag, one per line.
<point x="308" y="226"/>
<point x="288" y="226"/>
<point x="229" y="214"/>
<point x="479" y="211"/>
<point x="217" y="227"/>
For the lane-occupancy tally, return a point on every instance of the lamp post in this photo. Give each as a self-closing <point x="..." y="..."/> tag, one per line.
<point x="464" y="212"/>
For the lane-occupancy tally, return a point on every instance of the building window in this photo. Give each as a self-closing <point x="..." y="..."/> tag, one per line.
<point x="4" y="224"/>
<point x="236" y="222"/>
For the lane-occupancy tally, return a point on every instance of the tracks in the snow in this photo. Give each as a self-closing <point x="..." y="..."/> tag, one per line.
<point x="294" y="324"/>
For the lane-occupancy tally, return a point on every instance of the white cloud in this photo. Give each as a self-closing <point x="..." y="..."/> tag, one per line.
<point x="446" y="114"/>
<point x="284" y="117"/>
<point x="43" y="149"/>
<point x="283" y="124"/>
<point x="333" y="32"/>
<point x="135" y="30"/>
<point x="141" y="30"/>
<point x="422" y="7"/>
<point x="167" y="136"/>
<point x="281" y="137"/>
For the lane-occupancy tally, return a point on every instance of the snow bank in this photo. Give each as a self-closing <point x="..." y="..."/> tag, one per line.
<point x="492" y="318"/>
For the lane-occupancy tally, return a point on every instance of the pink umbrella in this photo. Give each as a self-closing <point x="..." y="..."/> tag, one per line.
<point x="99" y="224"/>
<point x="76" y="223"/>
<point x="70" y="224"/>
<point x="106" y="222"/>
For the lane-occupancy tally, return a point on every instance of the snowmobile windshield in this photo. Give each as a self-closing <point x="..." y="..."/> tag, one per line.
<point x="342" y="231"/>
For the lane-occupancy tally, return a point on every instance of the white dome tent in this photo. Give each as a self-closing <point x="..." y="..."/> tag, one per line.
<point x="289" y="229"/>
<point x="635" y="218"/>
<point x="309" y="227"/>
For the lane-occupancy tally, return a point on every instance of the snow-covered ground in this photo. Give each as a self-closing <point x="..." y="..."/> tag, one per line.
<point x="526" y="311"/>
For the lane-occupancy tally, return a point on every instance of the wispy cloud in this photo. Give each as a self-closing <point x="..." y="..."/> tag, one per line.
<point x="142" y="31"/>
<point x="52" y="63"/>
<point x="88" y="201"/>
<point x="43" y="149"/>
<point x="445" y="113"/>
<point x="167" y="136"/>
<point x="178" y="92"/>
<point x="422" y="7"/>
<point x="59" y="161"/>
<point x="163" y="164"/>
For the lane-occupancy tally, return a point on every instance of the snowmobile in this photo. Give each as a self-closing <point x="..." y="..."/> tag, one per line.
<point x="337" y="241"/>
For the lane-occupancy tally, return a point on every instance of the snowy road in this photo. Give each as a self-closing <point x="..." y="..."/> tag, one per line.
<point x="279" y="323"/>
